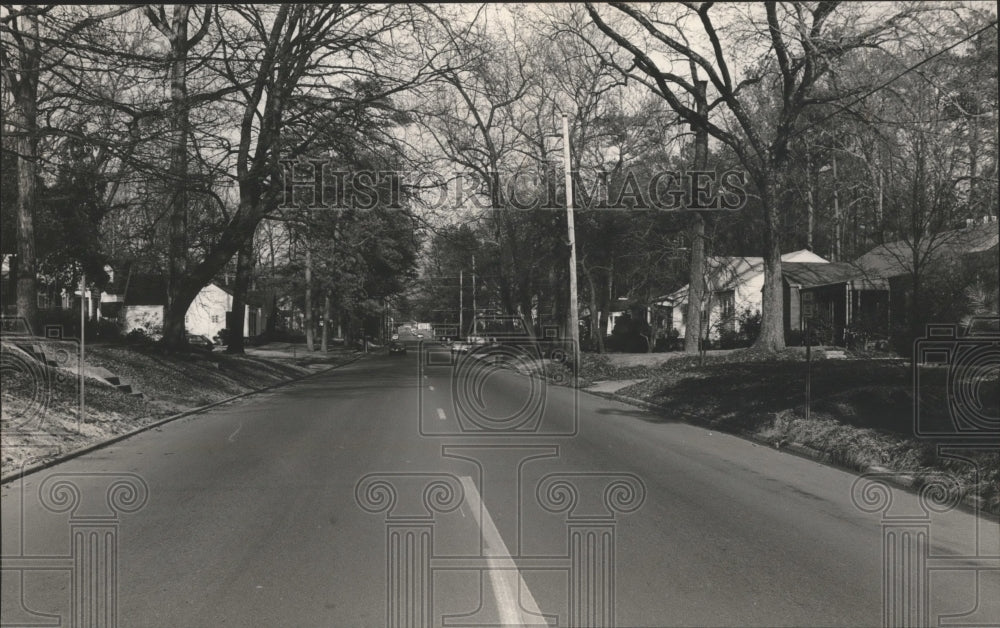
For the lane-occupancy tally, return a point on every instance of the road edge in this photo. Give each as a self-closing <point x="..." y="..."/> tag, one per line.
<point x="39" y="466"/>
<point x="971" y="504"/>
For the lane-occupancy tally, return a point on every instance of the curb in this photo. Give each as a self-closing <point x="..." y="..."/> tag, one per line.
<point x="145" y="428"/>
<point x="971" y="504"/>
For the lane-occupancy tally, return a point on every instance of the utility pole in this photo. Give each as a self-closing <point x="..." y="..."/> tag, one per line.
<point x="83" y="342"/>
<point x="574" y="324"/>
<point x="461" y="322"/>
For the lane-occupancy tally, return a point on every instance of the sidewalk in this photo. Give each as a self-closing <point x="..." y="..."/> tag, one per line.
<point x="655" y="359"/>
<point x="297" y="353"/>
<point x="611" y="385"/>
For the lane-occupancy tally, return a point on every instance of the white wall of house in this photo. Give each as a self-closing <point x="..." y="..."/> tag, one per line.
<point x="749" y="294"/>
<point x="207" y="313"/>
<point x="747" y="289"/>
<point x="679" y="316"/>
<point x="205" y="317"/>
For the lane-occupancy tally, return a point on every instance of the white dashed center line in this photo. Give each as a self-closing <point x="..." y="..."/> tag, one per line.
<point x="515" y="603"/>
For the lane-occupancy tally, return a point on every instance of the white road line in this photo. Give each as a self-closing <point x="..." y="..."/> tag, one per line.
<point x="232" y="437"/>
<point x="507" y="584"/>
<point x="441" y="414"/>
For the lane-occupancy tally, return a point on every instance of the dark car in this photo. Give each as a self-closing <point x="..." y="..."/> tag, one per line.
<point x="200" y="342"/>
<point x="397" y="348"/>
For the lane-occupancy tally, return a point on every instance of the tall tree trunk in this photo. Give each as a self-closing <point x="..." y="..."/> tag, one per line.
<point x="810" y="208"/>
<point x="262" y="136"/>
<point x="310" y="340"/>
<point x="838" y="222"/>
<point x="772" y="328"/>
<point x="595" y="320"/>
<point x="272" y="319"/>
<point x="25" y="121"/>
<point x="696" y="278"/>
<point x="175" y="310"/>
<point x="244" y="269"/>
<point x="654" y="323"/>
<point x="696" y="285"/>
<point x="324" y="343"/>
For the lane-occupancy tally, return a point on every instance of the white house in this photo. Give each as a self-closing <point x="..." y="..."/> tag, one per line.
<point x="137" y="302"/>
<point x="735" y="284"/>
<point x="207" y="313"/>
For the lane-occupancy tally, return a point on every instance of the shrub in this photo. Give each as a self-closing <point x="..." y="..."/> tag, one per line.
<point x="731" y="339"/>
<point x="820" y="329"/>
<point x="749" y="324"/>
<point x="138" y="336"/>
<point x="106" y="329"/>
<point x="629" y="335"/>
<point x="670" y="342"/>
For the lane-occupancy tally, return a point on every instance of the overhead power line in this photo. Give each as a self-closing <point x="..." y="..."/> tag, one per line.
<point x="897" y="77"/>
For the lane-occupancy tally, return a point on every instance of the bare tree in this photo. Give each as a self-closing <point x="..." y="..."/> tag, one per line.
<point x="22" y="75"/>
<point x="175" y="29"/>
<point x="34" y="45"/>
<point x="794" y="47"/>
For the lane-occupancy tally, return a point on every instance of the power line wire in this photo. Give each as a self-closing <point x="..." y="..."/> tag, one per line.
<point x="896" y="78"/>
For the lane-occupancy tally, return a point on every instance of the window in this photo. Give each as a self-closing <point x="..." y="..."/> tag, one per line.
<point x="215" y="318"/>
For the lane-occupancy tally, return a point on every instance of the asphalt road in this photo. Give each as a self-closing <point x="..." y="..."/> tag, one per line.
<point x="458" y="493"/>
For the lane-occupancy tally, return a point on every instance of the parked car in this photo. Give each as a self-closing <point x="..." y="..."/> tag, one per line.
<point x="397" y="348"/>
<point x="460" y="346"/>
<point x="200" y="342"/>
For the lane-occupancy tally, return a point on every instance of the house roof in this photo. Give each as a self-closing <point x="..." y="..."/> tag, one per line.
<point x="804" y="255"/>
<point x="809" y="275"/>
<point x="897" y="258"/>
<point x="256" y="298"/>
<point x="253" y="298"/>
<point x="728" y="272"/>
<point x="142" y="288"/>
<point x="151" y="289"/>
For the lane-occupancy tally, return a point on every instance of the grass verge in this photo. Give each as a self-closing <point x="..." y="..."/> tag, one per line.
<point x="40" y="417"/>
<point x="861" y="412"/>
